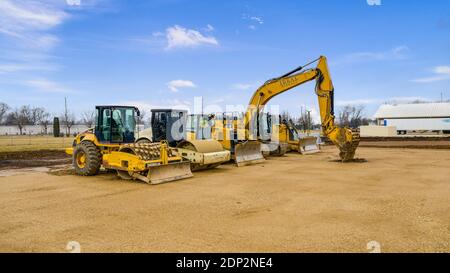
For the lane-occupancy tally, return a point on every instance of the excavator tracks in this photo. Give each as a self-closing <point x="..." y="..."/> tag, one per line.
<point x="347" y="152"/>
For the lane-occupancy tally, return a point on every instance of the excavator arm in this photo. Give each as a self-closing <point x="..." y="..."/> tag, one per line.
<point x="346" y="139"/>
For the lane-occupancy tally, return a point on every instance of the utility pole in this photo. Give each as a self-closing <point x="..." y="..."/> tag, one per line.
<point x="65" y="113"/>
<point x="309" y="121"/>
<point x="442" y="97"/>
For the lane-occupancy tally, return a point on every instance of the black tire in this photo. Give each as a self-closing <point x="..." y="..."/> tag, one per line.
<point x="92" y="159"/>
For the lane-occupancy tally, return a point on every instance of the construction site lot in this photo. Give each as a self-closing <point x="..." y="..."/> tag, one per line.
<point x="397" y="197"/>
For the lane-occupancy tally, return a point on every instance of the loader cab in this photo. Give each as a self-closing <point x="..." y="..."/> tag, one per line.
<point x="169" y="124"/>
<point x="115" y="124"/>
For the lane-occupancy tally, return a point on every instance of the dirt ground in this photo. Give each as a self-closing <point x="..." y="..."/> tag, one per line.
<point x="434" y="144"/>
<point x="38" y="158"/>
<point x="398" y="197"/>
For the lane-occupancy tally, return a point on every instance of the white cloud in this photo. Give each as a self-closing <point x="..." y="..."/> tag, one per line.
<point x="160" y="104"/>
<point x="26" y="27"/>
<point x="16" y="67"/>
<point x="442" y="73"/>
<point x="209" y="28"/>
<point x="73" y="2"/>
<point x="175" y="85"/>
<point x="178" y="36"/>
<point x="259" y="20"/>
<point x="253" y="21"/>
<point x="398" y="100"/>
<point x="6" y="68"/>
<point x="396" y="53"/>
<point x="243" y="86"/>
<point x="26" y="19"/>
<point x="373" y="101"/>
<point x="47" y="86"/>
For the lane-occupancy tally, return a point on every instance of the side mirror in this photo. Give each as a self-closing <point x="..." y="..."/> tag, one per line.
<point x="138" y="113"/>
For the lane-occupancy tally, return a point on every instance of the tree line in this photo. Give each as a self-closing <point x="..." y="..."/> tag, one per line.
<point x="351" y="116"/>
<point x="29" y="115"/>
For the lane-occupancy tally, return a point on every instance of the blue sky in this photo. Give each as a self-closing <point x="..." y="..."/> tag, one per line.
<point x="165" y="53"/>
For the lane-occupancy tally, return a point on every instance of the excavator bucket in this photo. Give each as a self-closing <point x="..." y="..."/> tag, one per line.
<point x="247" y="153"/>
<point x="347" y="150"/>
<point x="308" y="145"/>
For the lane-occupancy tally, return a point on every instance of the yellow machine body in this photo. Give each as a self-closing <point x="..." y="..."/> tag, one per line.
<point x="152" y="163"/>
<point x="346" y="139"/>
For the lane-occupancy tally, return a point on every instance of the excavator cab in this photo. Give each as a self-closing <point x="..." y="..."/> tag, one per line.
<point x="115" y="124"/>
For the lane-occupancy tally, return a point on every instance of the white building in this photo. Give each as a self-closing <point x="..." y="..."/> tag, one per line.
<point x="415" y="117"/>
<point x="38" y="129"/>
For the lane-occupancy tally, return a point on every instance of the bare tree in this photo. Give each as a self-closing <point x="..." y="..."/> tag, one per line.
<point x="36" y="114"/>
<point x="141" y="118"/>
<point x="68" y="118"/>
<point x="21" y="117"/>
<point x="305" y="120"/>
<point x="3" y="110"/>
<point x="285" y="116"/>
<point x="88" y="118"/>
<point x="44" y="121"/>
<point x="351" y="116"/>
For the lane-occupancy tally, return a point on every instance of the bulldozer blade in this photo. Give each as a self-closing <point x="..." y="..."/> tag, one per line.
<point x="165" y="173"/>
<point x="248" y="153"/>
<point x="308" y="145"/>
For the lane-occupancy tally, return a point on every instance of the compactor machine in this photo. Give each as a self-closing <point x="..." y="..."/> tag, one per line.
<point x="111" y="144"/>
<point x="171" y="125"/>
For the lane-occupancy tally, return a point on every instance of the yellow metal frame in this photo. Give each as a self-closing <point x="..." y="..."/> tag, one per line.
<point x="113" y="159"/>
<point x="341" y="137"/>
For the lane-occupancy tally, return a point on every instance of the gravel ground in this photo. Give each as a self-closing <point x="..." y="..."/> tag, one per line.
<point x="397" y="197"/>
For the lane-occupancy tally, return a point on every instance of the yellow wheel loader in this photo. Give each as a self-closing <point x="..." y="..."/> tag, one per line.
<point x="111" y="144"/>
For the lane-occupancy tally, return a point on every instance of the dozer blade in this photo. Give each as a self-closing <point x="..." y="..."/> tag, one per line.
<point x="159" y="173"/>
<point x="169" y="172"/>
<point x="248" y="152"/>
<point x="308" y="145"/>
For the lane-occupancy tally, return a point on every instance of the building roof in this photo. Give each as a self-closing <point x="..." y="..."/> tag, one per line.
<point x="414" y="110"/>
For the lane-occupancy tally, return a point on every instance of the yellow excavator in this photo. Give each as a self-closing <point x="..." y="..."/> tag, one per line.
<point x="281" y="136"/>
<point x="245" y="145"/>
